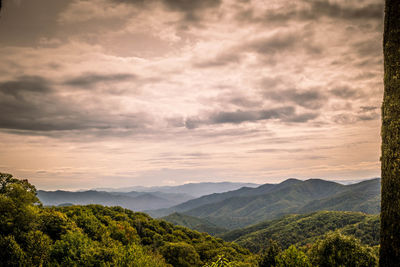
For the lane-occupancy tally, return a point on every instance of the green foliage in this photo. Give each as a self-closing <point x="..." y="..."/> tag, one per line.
<point x="305" y="229"/>
<point x="198" y="224"/>
<point x="292" y="257"/>
<point x="38" y="246"/>
<point x="336" y="249"/>
<point x="268" y="257"/>
<point x="221" y="262"/>
<point x="137" y="256"/>
<point x="17" y="209"/>
<point x="93" y="235"/>
<point x="180" y="254"/>
<point x="11" y="254"/>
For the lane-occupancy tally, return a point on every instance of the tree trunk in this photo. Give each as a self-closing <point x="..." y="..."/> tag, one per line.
<point x="390" y="160"/>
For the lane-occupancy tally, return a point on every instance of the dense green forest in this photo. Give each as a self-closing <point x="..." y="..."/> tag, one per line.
<point x="305" y="229"/>
<point x="94" y="235"/>
<point x="198" y="224"/>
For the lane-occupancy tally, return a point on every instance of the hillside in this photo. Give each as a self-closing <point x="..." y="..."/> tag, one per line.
<point x="137" y="201"/>
<point x="363" y="196"/>
<point x="306" y="228"/>
<point x="248" y="206"/>
<point x="94" y="235"/>
<point x="201" y="225"/>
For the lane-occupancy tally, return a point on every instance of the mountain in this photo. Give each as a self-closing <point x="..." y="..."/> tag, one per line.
<point x="305" y="229"/>
<point x="171" y="197"/>
<point x="248" y="206"/>
<point x="201" y="225"/>
<point x="363" y="196"/>
<point x="192" y="189"/>
<point x="137" y="201"/>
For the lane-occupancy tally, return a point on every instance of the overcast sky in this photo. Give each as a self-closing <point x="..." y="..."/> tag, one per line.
<point x="115" y="93"/>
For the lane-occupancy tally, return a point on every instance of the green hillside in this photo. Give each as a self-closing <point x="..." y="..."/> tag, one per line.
<point x="363" y="196"/>
<point x="94" y="235"/>
<point x="248" y="206"/>
<point x="307" y="228"/>
<point x="201" y="225"/>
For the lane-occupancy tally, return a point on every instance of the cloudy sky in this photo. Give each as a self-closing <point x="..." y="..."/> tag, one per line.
<point x="98" y="93"/>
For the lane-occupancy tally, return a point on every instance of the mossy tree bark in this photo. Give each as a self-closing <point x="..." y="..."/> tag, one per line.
<point x="390" y="205"/>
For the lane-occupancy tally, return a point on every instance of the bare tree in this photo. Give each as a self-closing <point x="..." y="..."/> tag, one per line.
<point x="390" y="205"/>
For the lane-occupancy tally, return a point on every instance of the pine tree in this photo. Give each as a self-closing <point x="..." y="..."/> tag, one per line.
<point x="390" y="205"/>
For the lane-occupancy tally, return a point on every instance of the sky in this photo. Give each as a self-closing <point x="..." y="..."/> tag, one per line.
<point x="114" y="93"/>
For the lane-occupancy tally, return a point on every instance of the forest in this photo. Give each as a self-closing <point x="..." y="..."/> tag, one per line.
<point x="95" y="235"/>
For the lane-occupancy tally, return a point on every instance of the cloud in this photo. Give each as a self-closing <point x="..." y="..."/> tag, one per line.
<point x="347" y="12"/>
<point x="311" y="99"/>
<point x="345" y="92"/>
<point x="24" y="85"/>
<point x="31" y="103"/>
<point x="368" y="108"/>
<point x="191" y="9"/>
<point x="285" y="114"/>
<point x="218" y="61"/>
<point x="311" y="10"/>
<point x="24" y="22"/>
<point x="90" y="79"/>
<point x="285" y="43"/>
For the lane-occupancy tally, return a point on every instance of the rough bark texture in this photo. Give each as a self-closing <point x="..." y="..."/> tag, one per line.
<point x="390" y="205"/>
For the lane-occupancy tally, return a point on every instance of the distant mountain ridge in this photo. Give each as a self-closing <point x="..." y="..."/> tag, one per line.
<point x="137" y="201"/>
<point x="149" y="198"/>
<point x="247" y="206"/>
<point x="193" y="189"/>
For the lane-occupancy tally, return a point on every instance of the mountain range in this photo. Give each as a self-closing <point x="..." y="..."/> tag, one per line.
<point x="220" y="212"/>
<point x="192" y="189"/>
<point x="137" y="201"/>
<point x="144" y="198"/>
<point x="247" y="206"/>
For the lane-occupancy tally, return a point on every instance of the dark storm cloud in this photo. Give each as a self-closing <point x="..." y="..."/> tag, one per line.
<point x="309" y="10"/>
<point x="239" y="116"/>
<point x="285" y="114"/>
<point x="90" y="79"/>
<point x="335" y="10"/>
<point x="190" y="8"/>
<point x="311" y="99"/>
<point x="23" y="85"/>
<point x="30" y="103"/>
